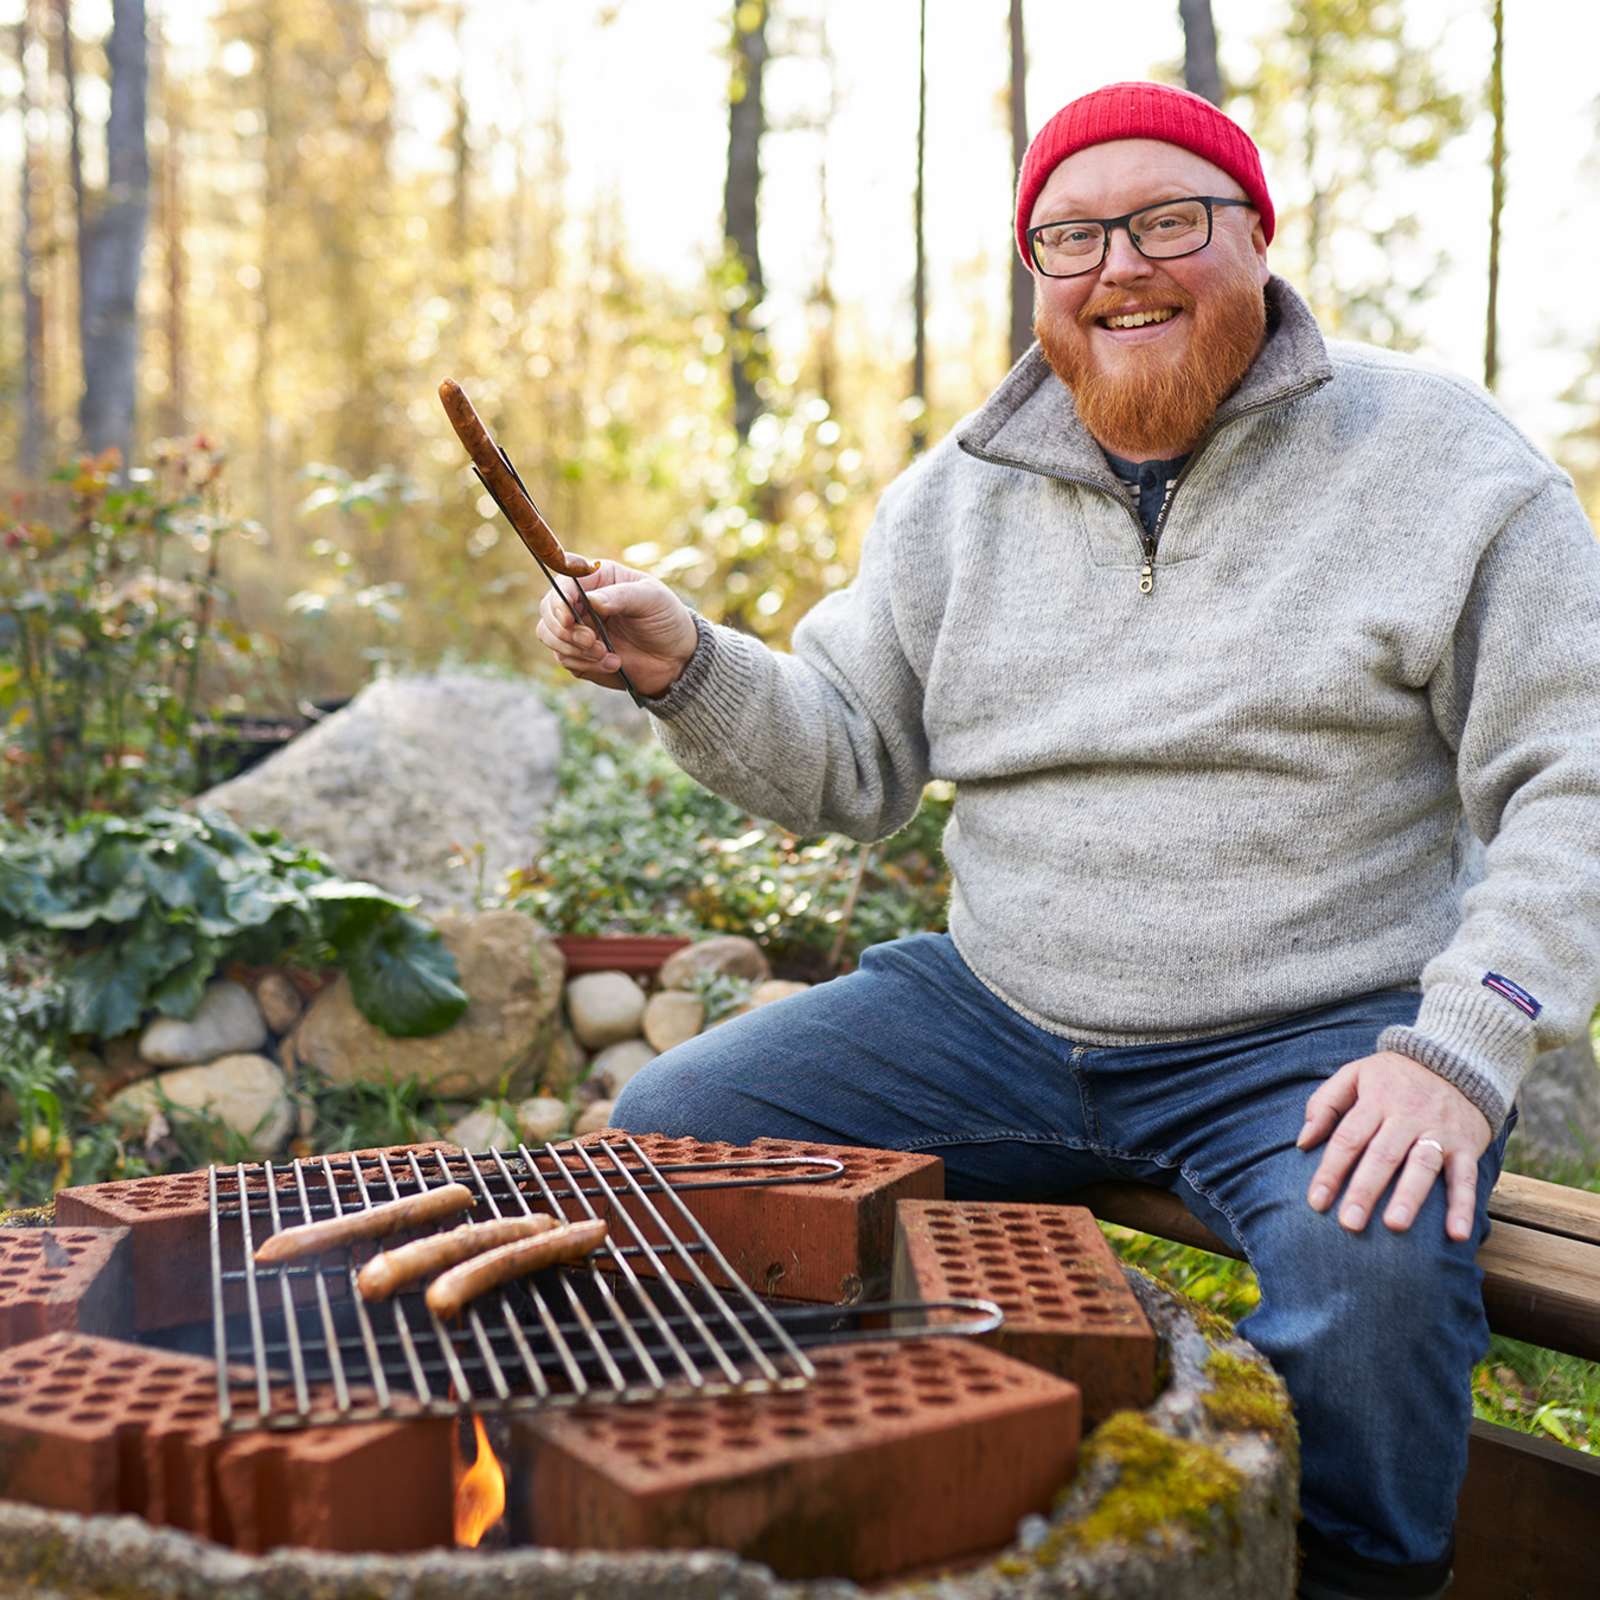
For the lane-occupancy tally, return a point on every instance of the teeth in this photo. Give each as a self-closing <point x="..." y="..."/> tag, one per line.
<point x="1138" y="319"/>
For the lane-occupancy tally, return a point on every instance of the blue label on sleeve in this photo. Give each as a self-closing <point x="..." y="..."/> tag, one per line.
<point x="1514" y="992"/>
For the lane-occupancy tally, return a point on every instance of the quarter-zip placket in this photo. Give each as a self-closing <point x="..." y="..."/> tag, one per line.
<point x="1149" y="541"/>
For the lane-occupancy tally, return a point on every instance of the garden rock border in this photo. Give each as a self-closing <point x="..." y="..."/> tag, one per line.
<point x="1221" y="1399"/>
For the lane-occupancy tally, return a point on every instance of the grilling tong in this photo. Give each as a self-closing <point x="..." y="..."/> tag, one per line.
<point x="494" y="471"/>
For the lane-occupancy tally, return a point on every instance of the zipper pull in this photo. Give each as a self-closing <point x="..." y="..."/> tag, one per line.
<point x="1147" y="578"/>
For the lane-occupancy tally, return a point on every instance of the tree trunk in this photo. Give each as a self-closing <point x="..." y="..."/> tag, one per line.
<point x="169" y="95"/>
<point x="1021" y="278"/>
<point x="31" y="445"/>
<point x="741" y="204"/>
<point x="272" y="186"/>
<point x="1497" y="196"/>
<point x="919" y="283"/>
<point x="822" y="297"/>
<point x="114" y="245"/>
<point x="69" y="84"/>
<point x="1201" y="74"/>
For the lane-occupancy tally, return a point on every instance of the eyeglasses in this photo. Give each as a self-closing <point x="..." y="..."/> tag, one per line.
<point x="1160" y="233"/>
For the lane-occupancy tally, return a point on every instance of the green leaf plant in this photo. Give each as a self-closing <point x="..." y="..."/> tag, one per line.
<point x="143" y="910"/>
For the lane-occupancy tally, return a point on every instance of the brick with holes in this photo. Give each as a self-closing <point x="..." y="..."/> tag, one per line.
<point x="64" y="1279"/>
<point x="96" y="1425"/>
<point x="829" y="1241"/>
<point x="315" y="1488"/>
<point x="897" y="1456"/>
<point x="169" y="1217"/>
<point x="1067" y="1305"/>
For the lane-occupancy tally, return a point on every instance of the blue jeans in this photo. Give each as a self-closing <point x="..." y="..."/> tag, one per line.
<point x="1374" y="1333"/>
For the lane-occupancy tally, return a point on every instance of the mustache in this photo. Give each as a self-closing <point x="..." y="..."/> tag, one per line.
<point x="1116" y="305"/>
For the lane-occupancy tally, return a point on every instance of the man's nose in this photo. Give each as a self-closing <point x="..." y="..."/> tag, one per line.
<point x="1123" y="263"/>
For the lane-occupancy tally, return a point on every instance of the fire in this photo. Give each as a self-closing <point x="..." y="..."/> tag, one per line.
<point x="480" y="1493"/>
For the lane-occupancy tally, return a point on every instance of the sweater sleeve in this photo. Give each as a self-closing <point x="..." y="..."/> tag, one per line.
<point x="828" y="737"/>
<point x="1517" y="696"/>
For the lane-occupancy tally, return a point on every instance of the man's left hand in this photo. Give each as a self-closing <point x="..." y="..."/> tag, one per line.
<point x="1387" y="1112"/>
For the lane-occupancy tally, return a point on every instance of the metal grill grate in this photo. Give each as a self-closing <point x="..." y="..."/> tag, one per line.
<point x="642" y="1318"/>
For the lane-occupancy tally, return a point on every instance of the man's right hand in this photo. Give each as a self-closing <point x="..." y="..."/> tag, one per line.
<point x="652" y="629"/>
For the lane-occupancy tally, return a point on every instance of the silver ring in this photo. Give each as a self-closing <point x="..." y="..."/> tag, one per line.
<point x="1434" y="1142"/>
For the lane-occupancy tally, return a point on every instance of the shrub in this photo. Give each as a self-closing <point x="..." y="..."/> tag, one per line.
<point x="142" y="911"/>
<point x="632" y="844"/>
<point x="111" y="623"/>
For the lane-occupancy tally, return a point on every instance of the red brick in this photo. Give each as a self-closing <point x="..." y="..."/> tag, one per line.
<point x="897" y="1456"/>
<point x="62" y="1280"/>
<point x="1067" y="1305"/>
<point x="352" y="1487"/>
<point x="170" y="1220"/>
<point x="825" y="1241"/>
<point x="96" y="1425"/>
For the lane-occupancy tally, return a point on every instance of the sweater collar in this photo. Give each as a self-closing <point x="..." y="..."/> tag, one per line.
<point x="1031" y="422"/>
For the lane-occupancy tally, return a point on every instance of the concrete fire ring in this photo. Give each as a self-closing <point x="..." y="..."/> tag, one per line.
<point x="1195" y="1496"/>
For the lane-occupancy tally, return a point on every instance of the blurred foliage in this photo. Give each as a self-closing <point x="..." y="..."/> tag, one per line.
<point x="49" y="1136"/>
<point x="115" y="636"/>
<point x="142" y="912"/>
<point x="634" y="845"/>
<point x="1342" y="99"/>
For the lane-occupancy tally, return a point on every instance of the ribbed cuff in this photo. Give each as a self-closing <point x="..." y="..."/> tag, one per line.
<point x="703" y="707"/>
<point x="1472" y="1039"/>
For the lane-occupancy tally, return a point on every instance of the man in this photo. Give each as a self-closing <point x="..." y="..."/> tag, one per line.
<point x="1220" y="636"/>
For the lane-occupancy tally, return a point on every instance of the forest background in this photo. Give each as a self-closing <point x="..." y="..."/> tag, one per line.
<point x="713" y="271"/>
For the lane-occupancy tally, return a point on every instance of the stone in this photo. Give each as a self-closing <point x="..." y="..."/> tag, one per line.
<point x="1559" y="1104"/>
<point x="565" y="1063"/>
<point x="604" y="1007"/>
<point x="671" y="1016"/>
<point x="774" y="989"/>
<point x="729" y="955"/>
<point x="226" y="1022"/>
<point x="246" y="1093"/>
<point x="596" y="1117"/>
<point x="414" y="771"/>
<point x="280" y="1001"/>
<point x="122" y="1059"/>
<point x="512" y="975"/>
<point x="542" y="1119"/>
<point x="482" y="1129"/>
<point x="617" y="1063"/>
<point x="101" y="1071"/>
<point x="590" y="1090"/>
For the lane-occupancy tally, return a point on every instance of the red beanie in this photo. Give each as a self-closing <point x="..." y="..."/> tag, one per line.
<point x="1142" y="111"/>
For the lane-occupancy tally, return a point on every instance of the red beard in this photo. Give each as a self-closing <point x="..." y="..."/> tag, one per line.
<point x="1159" y="404"/>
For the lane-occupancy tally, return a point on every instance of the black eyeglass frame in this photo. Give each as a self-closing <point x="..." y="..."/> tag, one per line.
<point x="1110" y="224"/>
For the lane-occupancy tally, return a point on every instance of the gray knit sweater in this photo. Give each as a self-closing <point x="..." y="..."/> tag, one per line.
<point x="1375" y="612"/>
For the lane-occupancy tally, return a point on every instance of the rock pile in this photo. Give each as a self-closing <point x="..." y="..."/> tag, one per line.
<point x="532" y="1059"/>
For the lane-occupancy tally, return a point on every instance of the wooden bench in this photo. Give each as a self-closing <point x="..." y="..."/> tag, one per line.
<point x="1529" y="1508"/>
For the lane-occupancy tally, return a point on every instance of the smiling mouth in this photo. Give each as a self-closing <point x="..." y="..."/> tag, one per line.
<point x="1139" y="319"/>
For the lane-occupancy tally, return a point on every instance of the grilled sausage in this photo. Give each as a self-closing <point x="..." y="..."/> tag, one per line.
<point x="373" y="1222"/>
<point x="392" y="1271"/>
<point x="524" y="516"/>
<point x="449" y="1292"/>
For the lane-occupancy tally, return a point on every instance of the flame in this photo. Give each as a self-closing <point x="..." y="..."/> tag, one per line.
<point x="480" y="1493"/>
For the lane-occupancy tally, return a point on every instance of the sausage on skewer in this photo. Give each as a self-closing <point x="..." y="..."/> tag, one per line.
<point x="502" y="484"/>
<point x="373" y="1222"/>
<point x="393" y="1270"/>
<point x="448" y="1293"/>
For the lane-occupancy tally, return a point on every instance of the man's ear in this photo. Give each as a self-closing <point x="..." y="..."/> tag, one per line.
<point x="1258" y="243"/>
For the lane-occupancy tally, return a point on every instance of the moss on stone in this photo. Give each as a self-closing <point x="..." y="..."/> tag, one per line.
<point x="29" y="1216"/>
<point x="1162" y="1485"/>
<point x="1245" y="1397"/>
